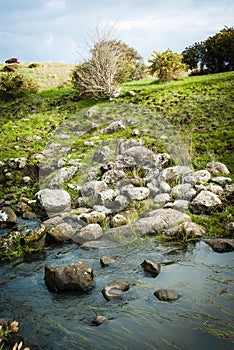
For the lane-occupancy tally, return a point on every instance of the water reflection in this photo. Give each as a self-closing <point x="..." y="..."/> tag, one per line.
<point x="201" y="319"/>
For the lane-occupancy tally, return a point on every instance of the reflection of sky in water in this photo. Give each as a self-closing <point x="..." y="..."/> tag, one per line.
<point x="200" y="319"/>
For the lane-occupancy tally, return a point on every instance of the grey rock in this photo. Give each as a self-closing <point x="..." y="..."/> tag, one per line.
<point x="178" y="204"/>
<point x="113" y="290"/>
<point x="120" y="203"/>
<point x="173" y="174"/>
<point x="183" y="191"/>
<point x="222" y="180"/>
<point x="216" y="168"/>
<point x="106" y="261"/>
<point x="106" y="196"/>
<point x="92" y="188"/>
<point x="35" y="239"/>
<point x="136" y="193"/>
<point x="77" y="277"/>
<point x="102" y="155"/>
<point x="8" y="215"/>
<point x="118" y="220"/>
<point x="90" y="232"/>
<point x="185" y="231"/>
<point x="200" y="176"/>
<point x="60" y="176"/>
<point x="113" y="176"/>
<point x="61" y="232"/>
<point x="205" y="202"/>
<point x="113" y="127"/>
<point x="166" y="295"/>
<point x="54" y="201"/>
<point x="162" y="198"/>
<point x="155" y="222"/>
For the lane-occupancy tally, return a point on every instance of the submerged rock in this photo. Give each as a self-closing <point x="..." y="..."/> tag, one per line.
<point x="114" y="290"/>
<point x="106" y="261"/>
<point x="166" y="295"/>
<point x="98" y="320"/>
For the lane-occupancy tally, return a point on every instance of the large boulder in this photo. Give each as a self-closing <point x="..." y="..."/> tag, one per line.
<point x="77" y="277"/>
<point x="54" y="201"/>
<point x="155" y="222"/>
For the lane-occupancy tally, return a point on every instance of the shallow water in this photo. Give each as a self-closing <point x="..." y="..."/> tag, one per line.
<point x="201" y="319"/>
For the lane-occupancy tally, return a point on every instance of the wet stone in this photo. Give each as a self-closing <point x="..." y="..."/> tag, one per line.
<point x="166" y="295"/>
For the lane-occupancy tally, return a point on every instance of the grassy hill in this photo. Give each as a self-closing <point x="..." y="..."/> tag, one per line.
<point x="46" y="75"/>
<point x="201" y="108"/>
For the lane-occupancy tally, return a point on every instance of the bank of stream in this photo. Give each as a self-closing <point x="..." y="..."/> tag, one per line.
<point x="201" y="319"/>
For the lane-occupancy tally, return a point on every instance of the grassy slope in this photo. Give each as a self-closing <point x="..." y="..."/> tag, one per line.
<point x="200" y="107"/>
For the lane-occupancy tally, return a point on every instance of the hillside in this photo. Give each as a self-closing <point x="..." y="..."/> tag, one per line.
<point x="200" y="108"/>
<point x="46" y="75"/>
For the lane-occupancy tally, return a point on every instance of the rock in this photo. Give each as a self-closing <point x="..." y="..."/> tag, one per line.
<point x="151" y="267"/>
<point x="106" y="196"/>
<point x="136" y="193"/>
<point x="178" y="204"/>
<point x="54" y="201"/>
<point x="26" y="179"/>
<point x="205" y="202"/>
<point x="200" y="176"/>
<point x="77" y="276"/>
<point x="173" y="174"/>
<point x="113" y="176"/>
<point x="162" y="198"/>
<point x="141" y="155"/>
<point x="35" y="239"/>
<point x="60" y="176"/>
<point x="166" y="295"/>
<point x="61" y="232"/>
<point x="220" y="245"/>
<point x="94" y="217"/>
<point x="98" y="245"/>
<point x="102" y="155"/>
<point x="114" y="290"/>
<point x="93" y="188"/>
<point x="115" y="126"/>
<point x="106" y="261"/>
<point x="183" y="191"/>
<point x="118" y="220"/>
<point x="98" y="320"/>
<point x="155" y="222"/>
<point x="185" y="231"/>
<point x="90" y="232"/>
<point x="216" y="168"/>
<point x="216" y="189"/>
<point x="221" y="180"/>
<point x="9" y="216"/>
<point x="120" y="203"/>
<point x="3" y="216"/>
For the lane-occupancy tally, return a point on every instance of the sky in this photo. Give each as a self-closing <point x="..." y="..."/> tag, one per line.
<point x="62" y="30"/>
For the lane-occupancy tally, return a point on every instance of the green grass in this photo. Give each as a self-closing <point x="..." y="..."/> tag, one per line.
<point x="201" y="108"/>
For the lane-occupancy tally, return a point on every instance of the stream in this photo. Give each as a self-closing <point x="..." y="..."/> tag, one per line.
<point x="201" y="319"/>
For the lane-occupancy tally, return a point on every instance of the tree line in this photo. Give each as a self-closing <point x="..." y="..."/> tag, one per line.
<point x="112" y="62"/>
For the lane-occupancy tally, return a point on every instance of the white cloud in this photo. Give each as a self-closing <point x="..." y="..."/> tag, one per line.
<point x="55" y="4"/>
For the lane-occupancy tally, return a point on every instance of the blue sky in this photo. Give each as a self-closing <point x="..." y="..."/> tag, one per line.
<point x="56" y="30"/>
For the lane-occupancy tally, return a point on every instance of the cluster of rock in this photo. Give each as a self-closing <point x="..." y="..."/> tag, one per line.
<point x="129" y="191"/>
<point x="138" y="177"/>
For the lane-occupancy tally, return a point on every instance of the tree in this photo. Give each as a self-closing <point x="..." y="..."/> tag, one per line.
<point x="166" y="65"/>
<point x="219" y="55"/>
<point x="215" y="54"/>
<point x="111" y="62"/>
<point x="193" y="56"/>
